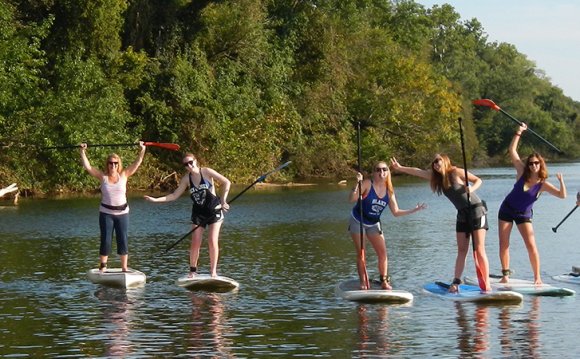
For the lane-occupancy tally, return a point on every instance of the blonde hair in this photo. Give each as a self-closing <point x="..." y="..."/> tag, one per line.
<point x="388" y="181"/>
<point x="441" y="181"/>
<point x="113" y="156"/>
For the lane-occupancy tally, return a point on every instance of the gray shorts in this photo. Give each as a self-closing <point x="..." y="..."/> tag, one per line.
<point x="354" y="227"/>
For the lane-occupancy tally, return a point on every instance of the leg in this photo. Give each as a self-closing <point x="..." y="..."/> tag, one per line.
<point x="505" y="229"/>
<point x="527" y="231"/>
<point x="360" y="265"/>
<point x="481" y="255"/>
<point x="378" y="242"/>
<point x="195" y="246"/>
<point x="121" y="228"/>
<point x="214" y="249"/>
<point x="106" y="227"/>
<point x="462" y="249"/>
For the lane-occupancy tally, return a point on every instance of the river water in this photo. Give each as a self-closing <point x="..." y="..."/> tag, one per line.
<point x="288" y="247"/>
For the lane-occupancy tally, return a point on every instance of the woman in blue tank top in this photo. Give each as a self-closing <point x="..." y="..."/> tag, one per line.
<point x="450" y="181"/>
<point x="517" y="206"/>
<point x="377" y="194"/>
<point x="207" y="208"/>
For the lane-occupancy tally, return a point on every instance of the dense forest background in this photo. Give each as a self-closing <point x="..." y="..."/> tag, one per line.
<point x="247" y="84"/>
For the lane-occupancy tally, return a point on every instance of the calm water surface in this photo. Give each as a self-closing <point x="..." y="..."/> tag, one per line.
<point x="288" y="248"/>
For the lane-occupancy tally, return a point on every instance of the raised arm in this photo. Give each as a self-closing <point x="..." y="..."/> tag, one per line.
<point x="551" y="189"/>
<point x="87" y="165"/>
<point x="129" y="171"/>
<point x="397" y="212"/>
<point x="172" y="196"/>
<point x="514" y="156"/>
<point x="413" y="171"/>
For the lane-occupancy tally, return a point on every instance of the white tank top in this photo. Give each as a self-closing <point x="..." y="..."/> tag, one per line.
<point x="114" y="194"/>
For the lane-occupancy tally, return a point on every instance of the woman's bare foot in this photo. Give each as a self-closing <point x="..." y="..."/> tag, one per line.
<point x="504" y="279"/>
<point x="454" y="288"/>
<point x="385" y="282"/>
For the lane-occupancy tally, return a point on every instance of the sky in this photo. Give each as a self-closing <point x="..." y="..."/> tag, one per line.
<point x="546" y="31"/>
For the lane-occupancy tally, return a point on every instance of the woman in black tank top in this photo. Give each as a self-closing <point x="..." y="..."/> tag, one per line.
<point x="207" y="209"/>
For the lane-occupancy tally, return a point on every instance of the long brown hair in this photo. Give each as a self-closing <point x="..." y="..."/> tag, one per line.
<point x="542" y="174"/>
<point x="441" y="181"/>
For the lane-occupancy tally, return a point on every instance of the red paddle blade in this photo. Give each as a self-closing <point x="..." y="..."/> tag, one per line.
<point x="167" y="146"/>
<point x="487" y="103"/>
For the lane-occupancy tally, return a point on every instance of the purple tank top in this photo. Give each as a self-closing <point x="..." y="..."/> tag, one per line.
<point x="520" y="200"/>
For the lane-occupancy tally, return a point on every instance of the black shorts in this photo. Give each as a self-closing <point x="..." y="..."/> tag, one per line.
<point x="477" y="223"/>
<point x="513" y="217"/>
<point x="205" y="220"/>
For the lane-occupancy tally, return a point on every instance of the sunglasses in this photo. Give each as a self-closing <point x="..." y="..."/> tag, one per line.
<point x="437" y="160"/>
<point x="534" y="163"/>
<point x="188" y="163"/>
<point x="382" y="169"/>
<point x="113" y="163"/>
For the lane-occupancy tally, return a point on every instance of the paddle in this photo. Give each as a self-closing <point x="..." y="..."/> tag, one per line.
<point x="259" y="179"/>
<point x="554" y="229"/>
<point x="480" y="276"/>
<point x="493" y="106"/>
<point x="359" y="201"/>
<point x="167" y="146"/>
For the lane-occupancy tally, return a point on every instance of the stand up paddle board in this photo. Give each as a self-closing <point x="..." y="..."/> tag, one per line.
<point x="115" y="277"/>
<point x="349" y="290"/>
<point x="205" y="282"/>
<point x="573" y="278"/>
<point x="526" y="287"/>
<point x="472" y="293"/>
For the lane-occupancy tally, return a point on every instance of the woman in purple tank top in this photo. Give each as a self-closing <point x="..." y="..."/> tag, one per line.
<point x="517" y="206"/>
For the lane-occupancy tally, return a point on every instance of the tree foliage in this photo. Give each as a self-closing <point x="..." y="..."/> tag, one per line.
<point x="247" y="84"/>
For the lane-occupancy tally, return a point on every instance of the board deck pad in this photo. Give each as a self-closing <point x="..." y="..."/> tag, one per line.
<point x="526" y="287"/>
<point x="205" y="282"/>
<point x="349" y="290"/>
<point x="472" y="293"/>
<point x="115" y="277"/>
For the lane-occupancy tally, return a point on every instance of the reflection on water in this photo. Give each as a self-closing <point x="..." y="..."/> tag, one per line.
<point x="117" y="306"/>
<point x="521" y="334"/>
<point x="209" y="327"/>
<point x="473" y="334"/>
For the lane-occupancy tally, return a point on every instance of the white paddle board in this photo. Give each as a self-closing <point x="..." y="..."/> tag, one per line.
<point x="205" y="282"/>
<point x="573" y="278"/>
<point x="526" y="287"/>
<point x="472" y="293"/>
<point x="349" y="290"/>
<point x="115" y="277"/>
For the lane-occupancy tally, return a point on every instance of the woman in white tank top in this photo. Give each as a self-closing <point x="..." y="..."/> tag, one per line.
<point x="114" y="210"/>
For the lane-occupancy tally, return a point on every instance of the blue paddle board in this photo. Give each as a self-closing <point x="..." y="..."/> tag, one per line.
<point x="349" y="290"/>
<point x="472" y="293"/>
<point x="526" y="287"/>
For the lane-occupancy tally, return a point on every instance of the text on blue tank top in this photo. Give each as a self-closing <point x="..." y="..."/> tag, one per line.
<point x="373" y="206"/>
